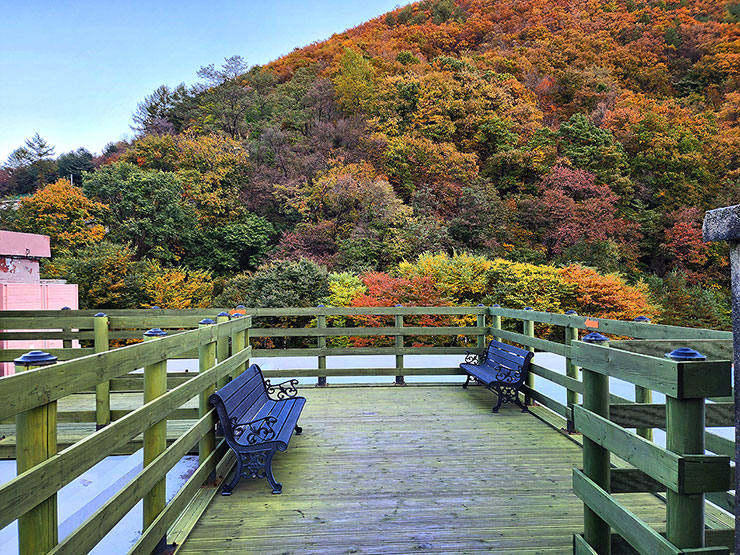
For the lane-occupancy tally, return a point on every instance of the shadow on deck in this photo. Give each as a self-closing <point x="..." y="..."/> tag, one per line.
<point x="418" y="469"/>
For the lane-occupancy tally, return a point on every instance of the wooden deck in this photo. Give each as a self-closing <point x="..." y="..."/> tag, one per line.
<point x="409" y="470"/>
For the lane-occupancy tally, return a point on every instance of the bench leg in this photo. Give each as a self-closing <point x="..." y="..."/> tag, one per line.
<point x="227" y="488"/>
<point x="467" y="381"/>
<point x="277" y="487"/>
<point x="298" y="430"/>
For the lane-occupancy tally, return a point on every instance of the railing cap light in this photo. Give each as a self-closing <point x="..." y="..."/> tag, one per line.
<point x="155" y="308"/>
<point x="100" y="315"/>
<point x="644" y="319"/>
<point x="206" y="321"/>
<point x="223" y="313"/>
<point x="595" y="337"/>
<point x="528" y="308"/>
<point x="685" y="354"/>
<point x="237" y="315"/>
<point x="35" y="358"/>
<point x="155" y="332"/>
<point x="571" y="312"/>
<point x="65" y="308"/>
<point x="241" y="306"/>
<point x="495" y="306"/>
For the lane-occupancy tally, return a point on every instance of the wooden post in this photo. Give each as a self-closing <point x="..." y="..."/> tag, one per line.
<point x="321" y="344"/>
<point x="206" y="361"/>
<point x="481" y="323"/>
<point x="222" y="347"/>
<point x="239" y="342"/>
<point x="596" y="463"/>
<point x="155" y="438"/>
<point x="571" y="370"/>
<point x="102" y="390"/>
<point x="723" y="224"/>
<point x="399" y="345"/>
<point x="685" y="436"/>
<point x="496" y="323"/>
<point x="643" y="394"/>
<point x="529" y="332"/>
<point x="36" y="441"/>
<point x="66" y="343"/>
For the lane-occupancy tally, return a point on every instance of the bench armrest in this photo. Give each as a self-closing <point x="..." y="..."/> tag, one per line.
<point x="472" y="357"/>
<point x="280" y="391"/>
<point x="258" y="431"/>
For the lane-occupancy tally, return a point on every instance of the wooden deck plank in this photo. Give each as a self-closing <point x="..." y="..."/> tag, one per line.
<point x="409" y="470"/>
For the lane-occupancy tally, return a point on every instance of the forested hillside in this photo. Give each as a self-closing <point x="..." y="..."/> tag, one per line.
<point x="555" y="154"/>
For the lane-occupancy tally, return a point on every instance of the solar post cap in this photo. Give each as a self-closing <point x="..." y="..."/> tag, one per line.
<point x="223" y="313"/>
<point x="65" y="308"/>
<point x="35" y="358"/>
<point x="206" y="321"/>
<point x="156" y="308"/>
<point x="100" y="315"/>
<point x="571" y="312"/>
<point x="155" y="332"/>
<point x="528" y="308"/>
<point x="685" y="354"/>
<point x="595" y="337"/>
<point x="644" y="319"/>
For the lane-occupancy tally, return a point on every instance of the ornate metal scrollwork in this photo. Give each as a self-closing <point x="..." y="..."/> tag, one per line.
<point x="472" y="358"/>
<point x="254" y="464"/>
<point x="508" y="375"/>
<point x="285" y="390"/>
<point x="258" y="431"/>
<point x="507" y="394"/>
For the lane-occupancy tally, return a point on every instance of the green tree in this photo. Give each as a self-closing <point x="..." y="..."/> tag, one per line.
<point x="286" y="283"/>
<point x="74" y="163"/>
<point x="146" y="210"/>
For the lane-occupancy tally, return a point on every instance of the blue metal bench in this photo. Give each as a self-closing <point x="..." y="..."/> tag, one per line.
<point x="257" y="419"/>
<point x="501" y="368"/>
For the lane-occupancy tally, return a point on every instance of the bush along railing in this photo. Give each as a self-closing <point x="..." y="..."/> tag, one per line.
<point x="681" y="469"/>
<point x="31" y="397"/>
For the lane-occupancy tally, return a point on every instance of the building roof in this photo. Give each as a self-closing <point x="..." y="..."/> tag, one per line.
<point x="24" y="245"/>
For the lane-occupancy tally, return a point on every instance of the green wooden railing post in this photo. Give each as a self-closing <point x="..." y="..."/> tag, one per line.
<point x="596" y="459"/>
<point x="481" y="323"/>
<point x="222" y="347"/>
<point x="155" y="438"/>
<point x="644" y="394"/>
<point x="321" y="344"/>
<point x="206" y="361"/>
<point x="571" y="370"/>
<point x="66" y="343"/>
<point x="529" y="332"/>
<point x="399" y="345"/>
<point x="36" y="441"/>
<point x="685" y="419"/>
<point x="102" y="390"/>
<point x="495" y="323"/>
<point x="239" y="342"/>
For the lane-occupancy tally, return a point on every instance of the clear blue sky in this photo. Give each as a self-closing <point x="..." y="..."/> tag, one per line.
<point x="74" y="71"/>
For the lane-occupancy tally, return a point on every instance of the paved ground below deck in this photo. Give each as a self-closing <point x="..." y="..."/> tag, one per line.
<point x="409" y="470"/>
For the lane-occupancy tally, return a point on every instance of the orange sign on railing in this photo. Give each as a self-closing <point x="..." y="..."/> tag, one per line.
<point x="592" y="323"/>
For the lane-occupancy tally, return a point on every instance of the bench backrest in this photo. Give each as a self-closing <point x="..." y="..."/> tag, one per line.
<point x="514" y="360"/>
<point x="240" y="399"/>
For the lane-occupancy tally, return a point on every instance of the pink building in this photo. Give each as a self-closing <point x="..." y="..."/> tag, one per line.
<point x="21" y="286"/>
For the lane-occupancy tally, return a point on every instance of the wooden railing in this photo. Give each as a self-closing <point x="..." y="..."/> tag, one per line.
<point x="635" y="355"/>
<point x="28" y="496"/>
